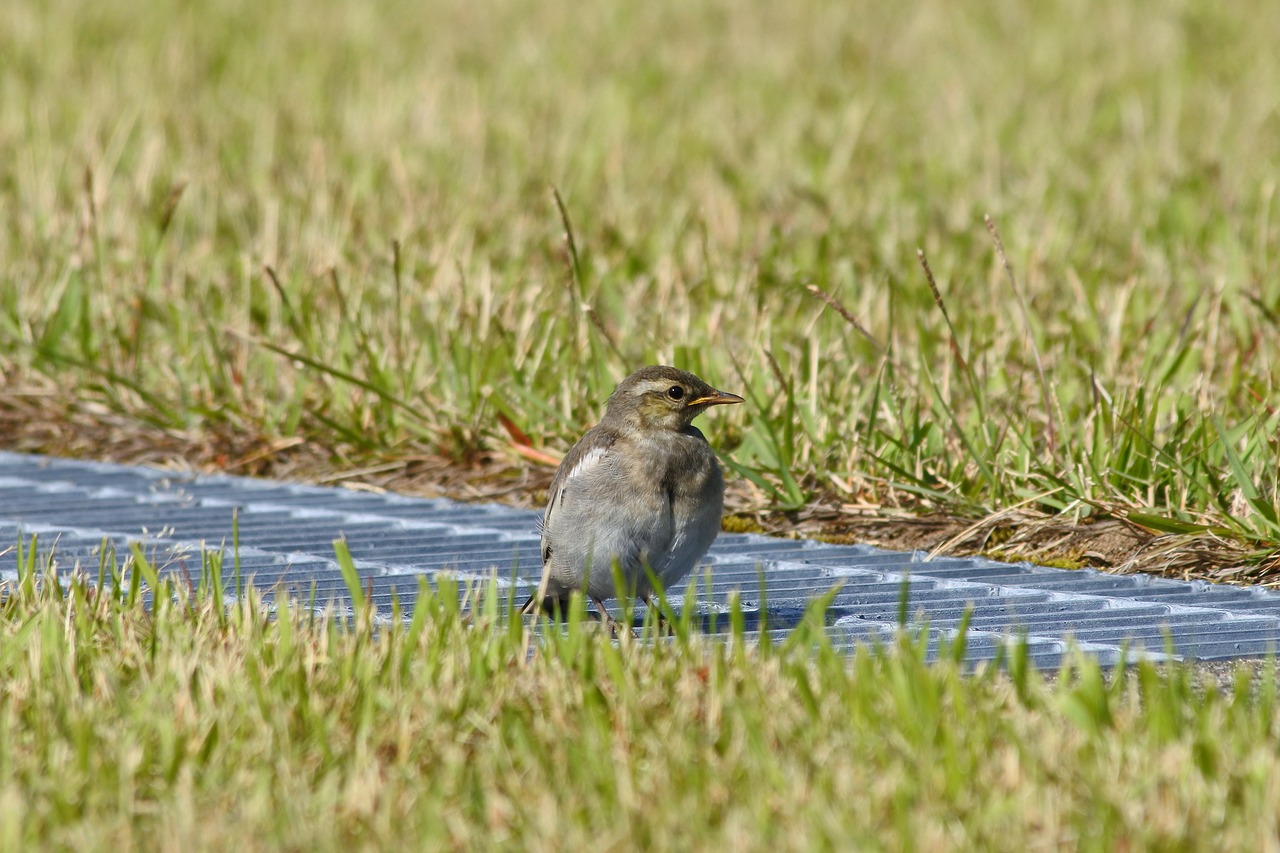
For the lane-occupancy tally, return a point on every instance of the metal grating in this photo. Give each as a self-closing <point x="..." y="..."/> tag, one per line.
<point x="286" y="533"/>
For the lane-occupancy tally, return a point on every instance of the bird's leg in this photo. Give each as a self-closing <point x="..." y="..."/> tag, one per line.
<point x="604" y="613"/>
<point x="612" y="624"/>
<point x="662" y="622"/>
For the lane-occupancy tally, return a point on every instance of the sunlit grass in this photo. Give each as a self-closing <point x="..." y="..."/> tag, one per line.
<point x="348" y="226"/>
<point x="259" y="221"/>
<point x="195" y="724"/>
<point x="374" y="228"/>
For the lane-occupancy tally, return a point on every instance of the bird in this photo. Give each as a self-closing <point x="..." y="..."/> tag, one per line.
<point x="642" y="488"/>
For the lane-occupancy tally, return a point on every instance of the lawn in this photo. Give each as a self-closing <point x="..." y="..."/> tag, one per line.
<point x="993" y="277"/>
<point x="282" y="240"/>
<point x="198" y="725"/>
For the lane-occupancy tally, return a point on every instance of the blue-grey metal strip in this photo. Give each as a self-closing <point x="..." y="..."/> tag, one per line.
<point x="286" y="535"/>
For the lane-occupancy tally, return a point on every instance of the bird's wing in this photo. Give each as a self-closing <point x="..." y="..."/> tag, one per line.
<point x="588" y="454"/>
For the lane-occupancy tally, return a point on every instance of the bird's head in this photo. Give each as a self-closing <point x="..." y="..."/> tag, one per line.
<point x="661" y="397"/>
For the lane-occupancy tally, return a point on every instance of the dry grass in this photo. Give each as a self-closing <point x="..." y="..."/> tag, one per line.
<point x="353" y="243"/>
<point x="202" y="724"/>
<point x="348" y="246"/>
<point x="38" y="421"/>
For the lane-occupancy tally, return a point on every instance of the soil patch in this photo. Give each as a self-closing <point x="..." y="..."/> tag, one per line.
<point x="36" y="420"/>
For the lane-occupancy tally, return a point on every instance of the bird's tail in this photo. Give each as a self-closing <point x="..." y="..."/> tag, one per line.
<point x="550" y="605"/>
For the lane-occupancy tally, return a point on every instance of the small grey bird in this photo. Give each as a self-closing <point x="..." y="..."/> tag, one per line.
<point x="642" y="487"/>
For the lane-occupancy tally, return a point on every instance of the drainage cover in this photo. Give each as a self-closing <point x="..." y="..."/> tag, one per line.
<point x="286" y="534"/>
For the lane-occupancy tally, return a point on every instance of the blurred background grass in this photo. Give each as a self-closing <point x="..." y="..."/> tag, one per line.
<point x="321" y="239"/>
<point x="333" y="223"/>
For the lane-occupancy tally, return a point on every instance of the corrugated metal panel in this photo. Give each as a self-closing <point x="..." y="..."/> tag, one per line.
<point x="286" y="534"/>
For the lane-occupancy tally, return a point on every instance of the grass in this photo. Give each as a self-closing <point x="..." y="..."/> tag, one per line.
<point x="373" y="233"/>
<point x="195" y="724"/>
<point x="385" y="241"/>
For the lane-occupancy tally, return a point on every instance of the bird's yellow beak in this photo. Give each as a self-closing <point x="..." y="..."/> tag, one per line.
<point x="716" y="398"/>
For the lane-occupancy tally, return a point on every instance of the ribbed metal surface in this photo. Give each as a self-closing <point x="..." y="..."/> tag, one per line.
<point x="286" y="534"/>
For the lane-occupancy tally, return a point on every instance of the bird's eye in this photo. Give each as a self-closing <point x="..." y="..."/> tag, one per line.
<point x="675" y="392"/>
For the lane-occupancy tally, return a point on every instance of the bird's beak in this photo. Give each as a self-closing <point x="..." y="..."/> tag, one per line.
<point x="716" y="398"/>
